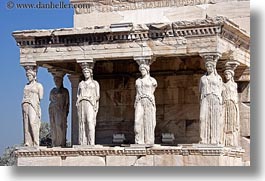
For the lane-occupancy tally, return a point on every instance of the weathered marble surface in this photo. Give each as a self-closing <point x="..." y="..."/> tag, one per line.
<point x="176" y="40"/>
<point x="171" y="39"/>
<point x="175" y="96"/>
<point x="31" y="111"/>
<point x="145" y="107"/>
<point x="245" y="143"/>
<point x="244" y="107"/>
<point x="158" y="11"/>
<point x="187" y="155"/>
<point x="88" y="94"/>
<point x="58" y="111"/>
<point x="211" y="123"/>
<point x="230" y="108"/>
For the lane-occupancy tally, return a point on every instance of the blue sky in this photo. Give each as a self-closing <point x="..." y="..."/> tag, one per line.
<point x="12" y="75"/>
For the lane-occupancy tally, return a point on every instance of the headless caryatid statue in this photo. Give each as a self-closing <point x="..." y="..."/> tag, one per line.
<point x="33" y="93"/>
<point x="211" y="124"/>
<point x="87" y="106"/>
<point x="58" y="111"/>
<point x="145" y="107"/>
<point x="231" y="110"/>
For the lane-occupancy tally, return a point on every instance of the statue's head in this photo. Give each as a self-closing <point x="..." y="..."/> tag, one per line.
<point x="31" y="75"/>
<point x="58" y="78"/>
<point x="210" y="66"/>
<point x="229" y="74"/>
<point x="87" y="69"/>
<point x="144" y="69"/>
<point x="87" y="72"/>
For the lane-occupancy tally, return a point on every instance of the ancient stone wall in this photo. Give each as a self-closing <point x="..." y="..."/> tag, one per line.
<point x="177" y="99"/>
<point x="101" y="13"/>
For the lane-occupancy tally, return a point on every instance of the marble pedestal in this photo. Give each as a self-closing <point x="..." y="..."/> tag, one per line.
<point x="182" y="155"/>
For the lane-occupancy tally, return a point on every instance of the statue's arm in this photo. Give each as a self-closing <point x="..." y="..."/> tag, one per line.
<point x="154" y="83"/>
<point x="236" y="94"/>
<point x="137" y="87"/>
<point x="97" y="91"/>
<point x="221" y="86"/>
<point x="222" y="92"/>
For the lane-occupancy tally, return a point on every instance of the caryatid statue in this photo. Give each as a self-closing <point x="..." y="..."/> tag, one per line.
<point x="145" y="107"/>
<point x="211" y="123"/>
<point x="230" y="107"/>
<point x="58" y="110"/>
<point x="88" y="95"/>
<point x="33" y="93"/>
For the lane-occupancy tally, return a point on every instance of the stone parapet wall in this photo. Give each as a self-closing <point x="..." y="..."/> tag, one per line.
<point x="131" y="155"/>
<point x="177" y="99"/>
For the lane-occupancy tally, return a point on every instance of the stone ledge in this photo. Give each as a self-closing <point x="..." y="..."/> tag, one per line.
<point x="131" y="155"/>
<point x="180" y="30"/>
<point x="183" y="150"/>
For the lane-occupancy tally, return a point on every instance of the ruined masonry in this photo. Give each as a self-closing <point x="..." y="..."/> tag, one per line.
<point x="173" y="39"/>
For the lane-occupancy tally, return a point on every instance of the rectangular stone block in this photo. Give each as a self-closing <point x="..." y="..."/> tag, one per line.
<point x="106" y="84"/>
<point x="244" y="111"/>
<point x="171" y="96"/>
<point x="159" y="110"/>
<point x="182" y="112"/>
<point x="192" y="128"/>
<point x="237" y="11"/>
<point x="238" y="162"/>
<point x="39" y="161"/>
<point x="147" y="160"/>
<point x="120" y="160"/>
<point x="191" y="95"/>
<point x="245" y="143"/>
<point x="84" y="161"/>
<point x="160" y="81"/>
<point x="130" y="160"/>
<point x="245" y="95"/>
<point x="106" y="67"/>
<point x="102" y="113"/>
<point x="226" y="161"/>
<point x="159" y="96"/>
<point x="128" y="96"/>
<point x="118" y="82"/>
<point x="129" y="83"/>
<point x="198" y="160"/>
<point x="128" y="113"/>
<point x="230" y="161"/>
<point x="168" y="160"/>
<point x="179" y="81"/>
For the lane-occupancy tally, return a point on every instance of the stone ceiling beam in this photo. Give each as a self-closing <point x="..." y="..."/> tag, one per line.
<point x="182" y="38"/>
